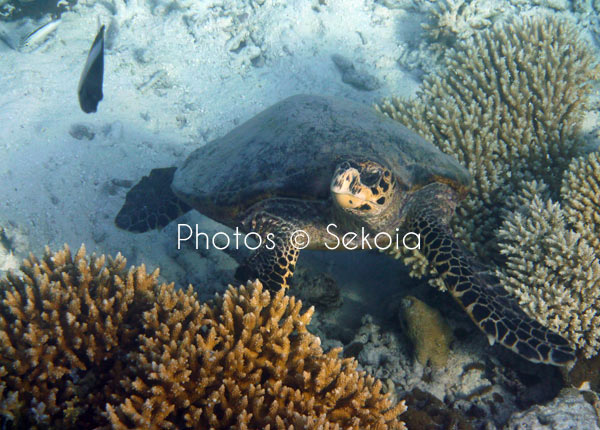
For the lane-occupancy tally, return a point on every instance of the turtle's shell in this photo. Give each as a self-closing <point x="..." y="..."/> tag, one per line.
<point x="292" y="149"/>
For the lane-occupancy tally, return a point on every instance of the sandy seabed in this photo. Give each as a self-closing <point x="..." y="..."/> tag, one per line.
<point x="177" y="75"/>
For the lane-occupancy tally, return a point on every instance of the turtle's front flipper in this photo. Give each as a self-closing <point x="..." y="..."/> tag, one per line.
<point x="274" y="262"/>
<point x="150" y="203"/>
<point x="489" y="305"/>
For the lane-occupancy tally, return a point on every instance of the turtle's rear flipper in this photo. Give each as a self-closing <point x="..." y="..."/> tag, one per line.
<point x="488" y="304"/>
<point x="151" y="204"/>
<point x="274" y="262"/>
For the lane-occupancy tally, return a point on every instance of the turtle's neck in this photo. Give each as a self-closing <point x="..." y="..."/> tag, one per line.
<point x="436" y="198"/>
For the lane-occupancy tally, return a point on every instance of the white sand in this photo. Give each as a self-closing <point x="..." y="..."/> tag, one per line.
<point x="56" y="189"/>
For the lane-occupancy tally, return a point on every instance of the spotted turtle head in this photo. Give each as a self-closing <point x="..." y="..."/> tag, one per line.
<point x="362" y="188"/>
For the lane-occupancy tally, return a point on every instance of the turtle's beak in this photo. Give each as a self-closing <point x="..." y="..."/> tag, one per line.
<point x="348" y="201"/>
<point x="349" y="193"/>
<point x="347" y="190"/>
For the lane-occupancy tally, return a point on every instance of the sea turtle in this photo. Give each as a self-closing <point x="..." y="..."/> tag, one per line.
<point x="310" y="162"/>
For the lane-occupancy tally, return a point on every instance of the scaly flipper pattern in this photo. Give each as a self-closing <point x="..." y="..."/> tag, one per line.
<point x="151" y="204"/>
<point x="274" y="262"/>
<point x="489" y="305"/>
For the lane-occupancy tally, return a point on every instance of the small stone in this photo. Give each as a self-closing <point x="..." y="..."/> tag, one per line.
<point x="81" y="131"/>
<point x="316" y="289"/>
<point x="359" y="80"/>
<point x="113" y="131"/>
<point x="141" y="56"/>
<point x="98" y="235"/>
<point x="124" y="183"/>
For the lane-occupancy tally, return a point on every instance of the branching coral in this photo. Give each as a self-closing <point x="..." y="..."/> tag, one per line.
<point x="252" y="364"/>
<point x="459" y="19"/>
<point x="552" y="255"/>
<point x="581" y="196"/>
<point x="85" y="343"/>
<point x="509" y="106"/>
<point x="65" y="327"/>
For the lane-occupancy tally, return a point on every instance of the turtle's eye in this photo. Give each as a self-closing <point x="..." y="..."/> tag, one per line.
<point x="370" y="178"/>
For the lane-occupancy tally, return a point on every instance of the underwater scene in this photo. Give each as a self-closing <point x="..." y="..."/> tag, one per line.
<point x="300" y="214"/>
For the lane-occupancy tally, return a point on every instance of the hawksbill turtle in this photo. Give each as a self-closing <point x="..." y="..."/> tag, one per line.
<point x="308" y="162"/>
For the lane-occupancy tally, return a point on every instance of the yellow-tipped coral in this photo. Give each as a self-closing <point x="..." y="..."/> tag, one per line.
<point x="508" y="105"/>
<point x="552" y="255"/>
<point x="251" y="363"/>
<point x="65" y="325"/>
<point x="580" y="193"/>
<point x="86" y="343"/>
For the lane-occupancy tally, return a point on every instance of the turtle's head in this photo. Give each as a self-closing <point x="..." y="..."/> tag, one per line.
<point x="364" y="189"/>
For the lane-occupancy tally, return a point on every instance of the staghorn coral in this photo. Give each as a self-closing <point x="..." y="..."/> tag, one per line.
<point x="508" y="105"/>
<point x="65" y="326"/>
<point x="552" y="254"/>
<point x="86" y="343"/>
<point x="251" y="364"/>
<point x="580" y="193"/>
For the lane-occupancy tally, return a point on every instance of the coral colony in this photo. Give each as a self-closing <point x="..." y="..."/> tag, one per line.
<point x="495" y="108"/>
<point x="87" y="343"/>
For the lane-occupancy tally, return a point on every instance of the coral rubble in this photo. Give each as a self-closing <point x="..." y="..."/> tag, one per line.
<point x="456" y="19"/>
<point x="11" y="10"/>
<point x="316" y="289"/>
<point x="426" y="412"/>
<point x="86" y="343"/>
<point x="568" y="411"/>
<point x="13" y="243"/>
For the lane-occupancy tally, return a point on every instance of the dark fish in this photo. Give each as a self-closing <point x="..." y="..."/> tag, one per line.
<point x="90" y="83"/>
